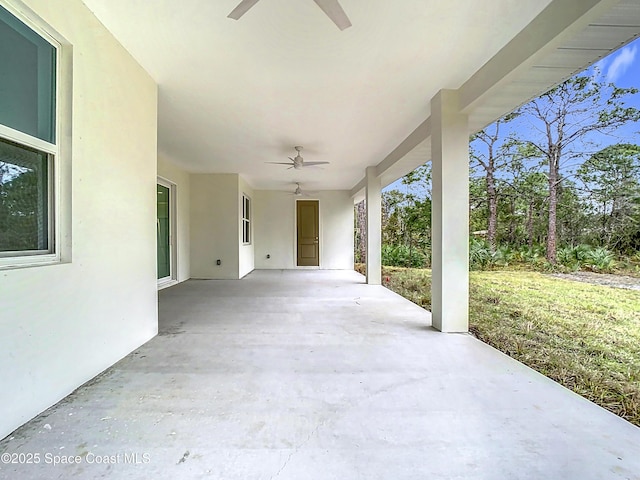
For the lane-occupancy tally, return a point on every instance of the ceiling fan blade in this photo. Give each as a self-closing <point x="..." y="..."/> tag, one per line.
<point x="310" y="164"/>
<point x="242" y="8"/>
<point x="279" y="163"/>
<point x="335" y="12"/>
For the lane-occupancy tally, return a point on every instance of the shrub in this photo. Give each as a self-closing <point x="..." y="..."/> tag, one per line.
<point x="534" y="255"/>
<point x="403" y="256"/>
<point x="569" y="258"/>
<point x="565" y="257"/>
<point x="503" y="255"/>
<point x="600" y="260"/>
<point x="481" y="257"/>
<point x="479" y="254"/>
<point x="574" y="258"/>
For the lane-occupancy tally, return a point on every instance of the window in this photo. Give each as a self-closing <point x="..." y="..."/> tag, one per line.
<point x="246" y="219"/>
<point x="28" y="145"/>
<point x="167" y="234"/>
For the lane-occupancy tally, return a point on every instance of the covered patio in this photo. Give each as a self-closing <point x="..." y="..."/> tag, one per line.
<point x="314" y="374"/>
<point x="168" y="270"/>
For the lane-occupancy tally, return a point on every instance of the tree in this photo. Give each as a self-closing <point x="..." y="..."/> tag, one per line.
<point x="611" y="177"/>
<point x="572" y="221"/>
<point x="360" y="218"/>
<point x="565" y="116"/>
<point x="20" y="220"/>
<point x="478" y="213"/>
<point x="528" y="191"/>
<point x="392" y="217"/>
<point x="490" y="152"/>
<point x="417" y="210"/>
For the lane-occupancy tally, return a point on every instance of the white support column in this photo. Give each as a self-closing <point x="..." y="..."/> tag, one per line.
<point x="450" y="214"/>
<point x="373" y="202"/>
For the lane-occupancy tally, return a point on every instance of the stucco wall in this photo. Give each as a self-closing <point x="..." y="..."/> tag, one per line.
<point x="275" y="229"/>
<point x="181" y="178"/>
<point x="336" y="229"/>
<point x="214" y="225"/>
<point x="60" y="325"/>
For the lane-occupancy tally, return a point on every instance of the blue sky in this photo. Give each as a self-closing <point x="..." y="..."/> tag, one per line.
<point x="622" y="68"/>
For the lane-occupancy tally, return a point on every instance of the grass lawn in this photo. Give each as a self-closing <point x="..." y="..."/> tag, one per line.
<point x="586" y="337"/>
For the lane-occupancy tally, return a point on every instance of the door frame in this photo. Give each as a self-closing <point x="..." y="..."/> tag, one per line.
<point x="172" y="279"/>
<point x="295" y="234"/>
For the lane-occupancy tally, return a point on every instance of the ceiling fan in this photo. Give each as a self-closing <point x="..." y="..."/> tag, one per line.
<point x="331" y="8"/>
<point x="299" y="193"/>
<point x="298" y="162"/>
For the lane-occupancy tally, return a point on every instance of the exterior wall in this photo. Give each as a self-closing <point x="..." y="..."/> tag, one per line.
<point x="181" y="179"/>
<point x="337" y="230"/>
<point x="275" y="229"/>
<point x="246" y="253"/>
<point x="60" y="325"/>
<point x="274" y="223"/>
<point x="214" y="225"/>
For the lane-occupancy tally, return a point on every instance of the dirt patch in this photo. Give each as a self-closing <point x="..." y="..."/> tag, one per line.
<point x="604" y="279"/>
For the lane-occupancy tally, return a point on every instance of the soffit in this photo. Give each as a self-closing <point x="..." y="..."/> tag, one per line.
<point x="606" y="27"/>
<point x="236" y="94"/>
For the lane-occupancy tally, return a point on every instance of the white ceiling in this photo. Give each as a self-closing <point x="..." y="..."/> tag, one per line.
<point x="236" y="94"/>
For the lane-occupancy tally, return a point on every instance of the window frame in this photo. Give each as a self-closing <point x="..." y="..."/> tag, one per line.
<point x="246" y="219"/>
<point x="58" y="171"/>
<point x="50" y="205"/>
<point x="172" y="279"/>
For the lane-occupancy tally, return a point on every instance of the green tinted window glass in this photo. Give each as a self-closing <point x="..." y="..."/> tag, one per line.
<point x="24" y="199"/>
<point x="27" y="79"/>
<point x="162" y="226"/>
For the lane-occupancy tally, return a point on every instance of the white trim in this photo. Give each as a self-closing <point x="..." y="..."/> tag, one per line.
<point x="59" y="174"/>
<point x="246" y="219"/>
<point x="16" y="136"/>
<point x="166" y="283"/>
<point x="28" y="261"/>
<point x="172" y="278"/>
<point x="27" y="16"/>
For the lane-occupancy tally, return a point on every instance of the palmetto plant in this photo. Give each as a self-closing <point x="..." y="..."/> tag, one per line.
<point x="534" y="254"/>
<point x="479" y="254"/>
<point x="403" y="256"/>
<point x="600" y="260"/>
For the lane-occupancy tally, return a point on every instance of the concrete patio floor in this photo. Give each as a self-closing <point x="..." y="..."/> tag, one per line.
<point x="314" y="375"/>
